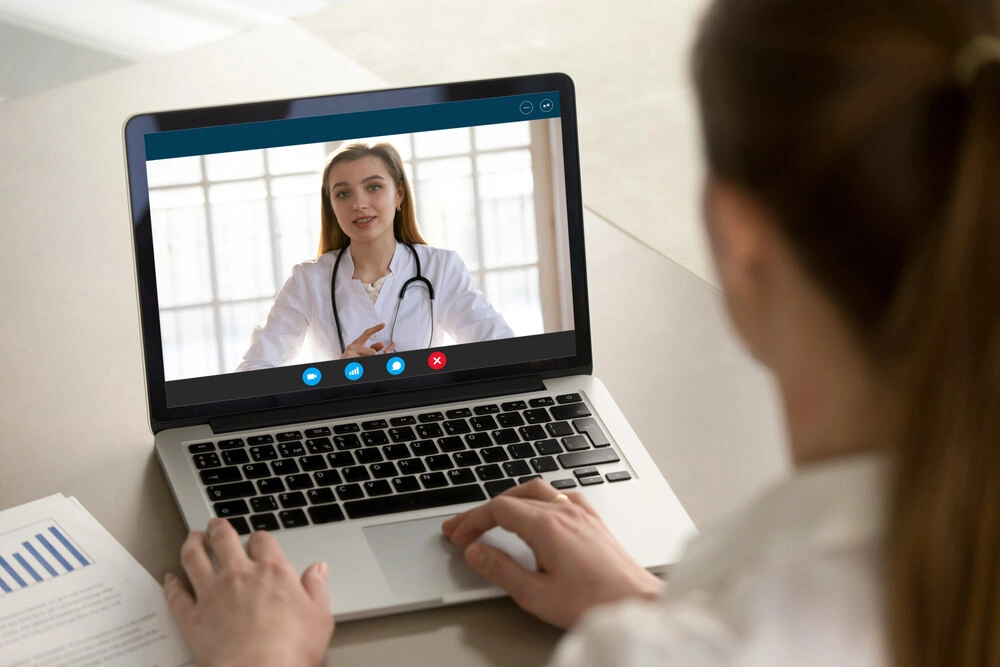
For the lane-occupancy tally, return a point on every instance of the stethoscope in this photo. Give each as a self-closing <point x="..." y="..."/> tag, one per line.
<point x="419" y="278"/>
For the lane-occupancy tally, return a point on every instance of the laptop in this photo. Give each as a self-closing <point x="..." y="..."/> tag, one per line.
<point x="357" y="461"/>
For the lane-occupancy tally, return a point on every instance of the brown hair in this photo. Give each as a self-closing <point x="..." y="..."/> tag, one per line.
<point x="404" y="223"/>
<point x="847" y="120"/>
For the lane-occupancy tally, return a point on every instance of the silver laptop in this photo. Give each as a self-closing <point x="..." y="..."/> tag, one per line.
<point x="357" y="461"/>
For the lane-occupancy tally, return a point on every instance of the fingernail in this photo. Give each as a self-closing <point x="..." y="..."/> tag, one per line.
<point x="323" y="569"/>
<point x="475" y="555"/>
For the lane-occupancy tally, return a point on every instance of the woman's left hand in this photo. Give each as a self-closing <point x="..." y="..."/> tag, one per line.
<point x="252" y="609"/>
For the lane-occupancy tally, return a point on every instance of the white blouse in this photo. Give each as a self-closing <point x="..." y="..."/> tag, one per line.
<point x="794" y="580"/>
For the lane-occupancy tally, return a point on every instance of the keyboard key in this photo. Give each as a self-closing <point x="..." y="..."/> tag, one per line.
<point x="393" y="452"/>
<point x="201" y="447"/>
<point x="569" y="411"/>
<point x="429" y="431"/>
<point x="495" y="488"/>
<point x="220" y="475"/>
<point x="486" y="409"/>
<point x="378" y="487"/>
<point x="589" y="471"/>
<point x="451" y="444"/>
<point x="327" y="478"/>
<point x="430" y="417"/>
<point x="588" y="458"/>
<point x="292" y="499"/>
<point x="402" y="434"/>
<point x="287" y="449"/>
<point x="423" y="448"/>
<point x="412" y="466"/>
<point x="461" y="476"/>
<point x="383" y="470"/>
<point x="433" y="480"/>
<point x="231" y="443"/>
<point x="317" y="432"/>
<point x="439" y="462"/>
<point x="563" y="483"/>
<point x="288" y="436"/>
<point x="263" y="453"/>
<point x="271" y="485"/>
<point x="408" y="420"/>
<point x="235" y="457"/>
<point x="312" y="463"/>
<point x="618" y="476"/>
<point x="521" y="450"/>
<point x="460" y="412"/>
<point x="559" y="429"/>
<point x="375" y="438"/>
<point x="513" y="405"/>
<point x="507" y="436"/>
<point x="372" y="455"/>
<point x="341" y="429"/>
<point x="263" y="504"/>
<point x="349" y="441"/>
<point x="231" y="508"/>
<point x="486" y="423"/>
<point x="544" y="464"/>
<point x="326" y="514"/>
<point x="320" y="496"/>
<point x="210" y="460"/>
<point x="264" y="522"/>
<point x="574" y="443"/>
<point x="537" y="416"/>
<point x="374" y="424"/>
<point x="256" y="470"/>
<point x="591" y="481"/>
<point x="548" y="447"/>
<point x="405" y="484"/>
<point x="493" y="454"/>
<point x="568" y="398"/>
<point x="456" y="427"/>
<point x="593" y="430"/>
<point x="349" y="491"/>
<point x="260" y="439"/>
<point x="300" y="481"/>
<point x="293" y="518"/>
<point x="489" y="472"/>
<point x="532" y="433"/>
<point x="527" y="478"/>
<point x="340" y="459"/>
<point x="240" y="525"/>
<point x="541" y="401"/>
<point x="478" y="440"/>
<point x="516" y="468"/>
<point x="231" y="491"/>
<point x="509" y="420"/>
<point x="466" y="458"/>
<point x="319" y="445"/>
<point x="355" y="474"/>
<point x="284" y="467"/>
<point x="402" y="502"/>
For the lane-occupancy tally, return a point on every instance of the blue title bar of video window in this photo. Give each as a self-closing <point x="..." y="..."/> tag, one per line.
<point x="336" y="127"/>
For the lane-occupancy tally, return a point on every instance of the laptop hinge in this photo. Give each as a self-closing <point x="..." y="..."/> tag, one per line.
<point x="350" y="407"/>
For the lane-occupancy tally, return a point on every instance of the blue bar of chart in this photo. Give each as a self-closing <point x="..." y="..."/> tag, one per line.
<point x="38" y="553"/>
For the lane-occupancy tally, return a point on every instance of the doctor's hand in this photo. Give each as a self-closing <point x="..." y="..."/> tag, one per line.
<point x="359" y="347"/>
<point x="580" y="564"/>
<point x="252" y="609"/>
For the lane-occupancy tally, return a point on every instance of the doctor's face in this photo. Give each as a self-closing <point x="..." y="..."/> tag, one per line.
<point x="364" y="198"/>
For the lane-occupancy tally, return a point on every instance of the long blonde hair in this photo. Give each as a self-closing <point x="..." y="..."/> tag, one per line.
<point x="404" y="223"/>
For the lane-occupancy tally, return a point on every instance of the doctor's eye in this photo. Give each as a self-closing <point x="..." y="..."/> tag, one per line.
<point x="342" y="194"/>
<point x="374" y="187"/>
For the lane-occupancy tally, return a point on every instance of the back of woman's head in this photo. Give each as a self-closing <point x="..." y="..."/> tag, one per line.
<point x="871" y="130"/>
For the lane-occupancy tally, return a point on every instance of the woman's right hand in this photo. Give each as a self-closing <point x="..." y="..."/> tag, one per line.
<point x="360" y="348"/>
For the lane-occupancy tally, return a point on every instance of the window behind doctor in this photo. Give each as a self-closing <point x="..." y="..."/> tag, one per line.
<point x="855" y="123"/>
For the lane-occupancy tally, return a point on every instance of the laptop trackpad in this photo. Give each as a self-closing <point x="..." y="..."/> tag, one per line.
<point x="419" y="561"/>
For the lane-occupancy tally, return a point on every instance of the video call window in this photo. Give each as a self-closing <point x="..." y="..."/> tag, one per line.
<point x="229" y="227"/>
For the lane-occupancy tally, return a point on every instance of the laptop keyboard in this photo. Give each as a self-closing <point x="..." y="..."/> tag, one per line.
<point x="365" y="468"/>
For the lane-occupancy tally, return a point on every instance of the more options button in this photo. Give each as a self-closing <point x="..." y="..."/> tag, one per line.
<point x="526" y="107"/>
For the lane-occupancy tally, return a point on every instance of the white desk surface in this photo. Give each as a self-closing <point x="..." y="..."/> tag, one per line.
<point x="72" y="410"/>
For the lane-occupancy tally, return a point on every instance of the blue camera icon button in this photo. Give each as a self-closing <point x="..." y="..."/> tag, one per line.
<point x="311" y="376"/>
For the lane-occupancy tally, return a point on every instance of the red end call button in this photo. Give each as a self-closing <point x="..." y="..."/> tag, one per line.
<point x="437" y="361"/>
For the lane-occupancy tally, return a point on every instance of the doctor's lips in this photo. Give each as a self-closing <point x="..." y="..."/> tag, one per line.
<point x="361" y="222"/>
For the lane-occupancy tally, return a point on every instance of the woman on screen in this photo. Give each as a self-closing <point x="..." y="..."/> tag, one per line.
<point x="376" y="286"/>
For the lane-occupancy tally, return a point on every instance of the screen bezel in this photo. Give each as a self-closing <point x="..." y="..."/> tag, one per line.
<point x="163" y="416"/>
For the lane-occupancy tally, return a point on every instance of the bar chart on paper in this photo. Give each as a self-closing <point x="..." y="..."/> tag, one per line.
<point x="37" y="553"/>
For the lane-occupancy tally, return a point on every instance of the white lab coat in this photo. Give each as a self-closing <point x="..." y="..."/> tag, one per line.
<point x="303" y="307"/>
<point x="795" y="580"/>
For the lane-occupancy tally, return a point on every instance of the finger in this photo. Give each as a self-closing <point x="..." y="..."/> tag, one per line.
<point x="377" y="346"/>
<point x="392" y="346"/>
<point x="225" y="544"/>
<point x="314" y="581"/>
<point x="178" y="599"/>
<point x="537" y="489"/>
<point x="195" y="561"/>
<point x="518" y="515"/>
<point x="367" y="333"/>
<point x="504" y="571"/>
<point x="365" y="352"/>
<point x="263" y="547"/>
<point x="449" y="524"/>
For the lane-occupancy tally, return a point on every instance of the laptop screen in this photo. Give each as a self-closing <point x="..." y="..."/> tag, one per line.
<point x="308" y="250"/>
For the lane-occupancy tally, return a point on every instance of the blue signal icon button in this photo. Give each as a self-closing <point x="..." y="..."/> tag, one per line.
<point x="354" y="371"/>
<point x="311" y="376"/>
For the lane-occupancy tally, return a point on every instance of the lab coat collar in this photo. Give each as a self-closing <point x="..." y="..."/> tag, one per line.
<point x="822" y="506"/>
<point x="394" y="264"/>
